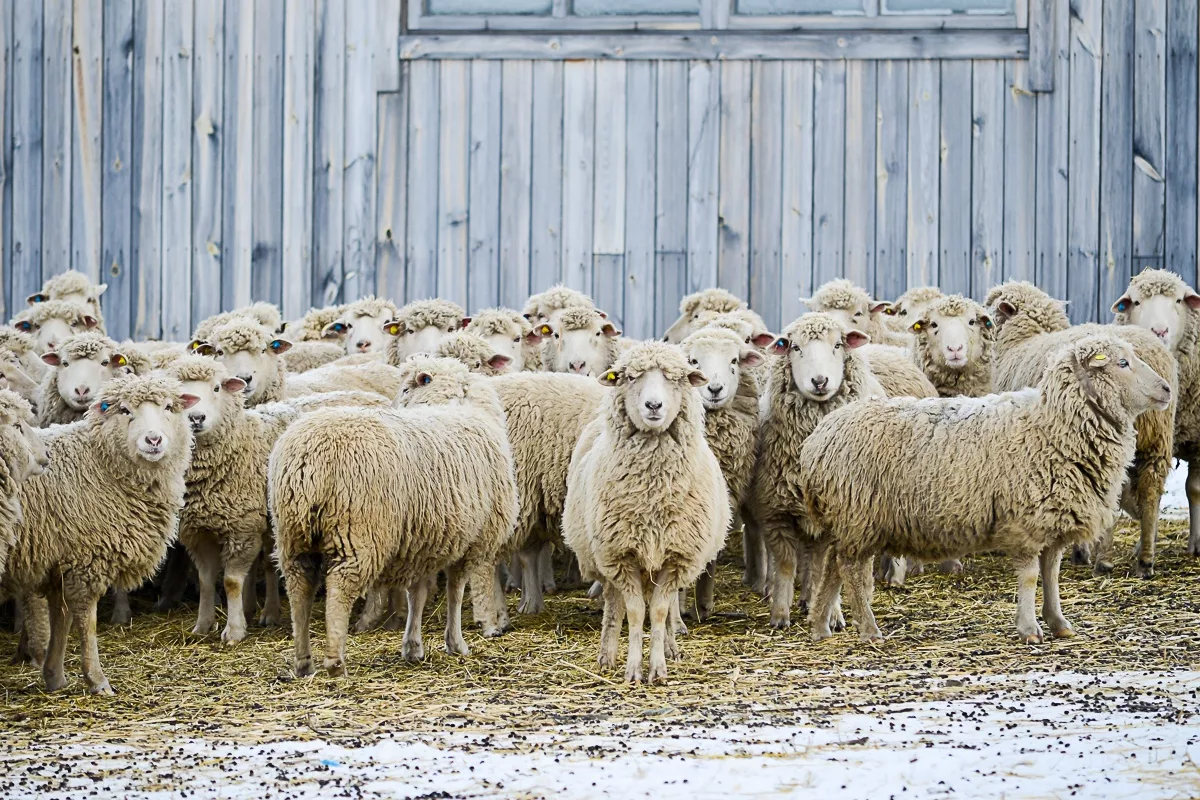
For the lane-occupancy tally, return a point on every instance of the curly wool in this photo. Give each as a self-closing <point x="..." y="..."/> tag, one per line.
<point x="907" y="308"/>
<point x="1036" y="313"/>
<point x="974" y="379"/>
<point x="311" y="327"/>
<point x="264" y="314"/>
<point x="52" y="408"/>
<point x="841" y="294"/>
<point x="372" y="376"/>
<point x="310" y="354"/>
<point x="577" y="318"/>
<point x="896" y="372"/>
<point x="436" y="312"/>
<point x="69" y="282"/>
<point x="509" y="323"/>
<point x="244" y="335"/>
<point x="38" y="313"/>
<point x="14" y="456"/>
<point x="472" y="350"/>
<point x="369" y="306"/>
<point x="556" y="298"/>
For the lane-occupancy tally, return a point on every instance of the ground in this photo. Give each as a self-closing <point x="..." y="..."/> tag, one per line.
<point x="950" y="704"/>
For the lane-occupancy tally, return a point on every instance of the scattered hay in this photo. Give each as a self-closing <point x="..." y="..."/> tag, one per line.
<point x="945" y="636"/>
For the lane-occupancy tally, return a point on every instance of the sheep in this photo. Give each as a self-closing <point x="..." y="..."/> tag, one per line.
<point x="15" y="378"/>
<point x="265" y="314"/>
<point x="105" y="511"/>
<point x="455" y="507"/>
<point x="817" y="370"/>
<point x="73" y="287"/>
<point x="855" y="310"/>
<point x="80" y="368"/>
<point x="1160" y="302"/>
<point x="372" y="376"/>
<point x="730" y="401"/>
<point x="52" y="322"/>
<point x="543" y="307"/>
<point x="1030" y="326"/>
<point x="310" y="355"/>
<point x="647" y="507"/>
<point x="249" y="352"/>
<point x="476" y="353"/>
<point x="510" y="334"/>
<point x="906" y="309"/>
<point x="713" y="300"/>
<point x="421" y="326"/>
<point x="919" y="477"/>
<point x="954" y="344"/>
<point x="360" y="325"/>
<point x="744" y="322"/>
<point x="579" y="340"/>
<point x="22" y="455"/>
<point x="22" y="345"/>
<point x="893" y="367"/>
<point x="313" y="326"/>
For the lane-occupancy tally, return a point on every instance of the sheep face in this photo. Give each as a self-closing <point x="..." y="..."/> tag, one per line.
<point x="954" y="333"/>
<point x="721" y="359"/>
<point x="1115" y="380"/>
<point x="149" y="430"/>
<point x="361" y="333"/>
<point x="90" y="300"/>
<point x="14" y="377"/>
<point x="652" y="401"/>
<point x="513" y="347"/>
<point x="1164" y="307"/>
<point x="411" y="341"/>
<point x="818" y="365"/>
<point x="33" y="456"/>
<point x="82" y="374"/>
<point x="582" y="350"/>
<point x="910" y="307"/>
<point x="253" y="365"/>
<point x="53" y="331"/>
<point x="216" y="400"/>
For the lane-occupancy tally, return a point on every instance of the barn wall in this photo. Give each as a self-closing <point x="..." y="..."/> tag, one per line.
<point x="197" y="155"/>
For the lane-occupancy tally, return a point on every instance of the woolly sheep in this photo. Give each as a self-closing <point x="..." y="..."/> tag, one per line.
<point x="249" y="352"/>
<point x="305" y="356"/>
<point x="542" y="307"/>
<point x="80" y="535"/>
<point x="14" y="377"/>
<point x="714" y="300"/>
<point x="312" y="326"/>
<point x="1075" y="439"/>
<point x="817" y="370"/>
<point x="73" y="287"/>
<point x="1031" y="326"/>
<point x="579" y="340"/>
<point x="1160" y="302"/>
<point x="954" y="344"/>
<point x="22" y="455"/>
<point x="510" y="334"/>
<point x="647" y="507"/>
<point x="360" y="325"/>
<point x="453" y="510"/>
<point x="906" y="309"/>
<point x="476" y="353"/>
<point x="421" y="326"/>
<point x="22" y="345"/>
<point x="744" y="322"/>
<point x="80" y="368"/>
<point x="855" y="310"/>
<point x="893" y="367"/>
<point x="52" y="322"/>
<point x="377" y="377"/>
<point x="265" y="314"/>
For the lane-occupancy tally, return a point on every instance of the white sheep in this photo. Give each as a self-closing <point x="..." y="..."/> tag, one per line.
<point x="421" y="326"/>
<point x="855" y="310"/>
<point x="714" y="300"/>
<point x="906" y="309"/>
<point x="579" y="340"/>
<point x="22" y="455"/>
<point x="265" y="314"/>
<point x="509" y="334"/>
<point x="80" y="367"/>
<point x="73" y="287"/>
<point x="543" y="307"/>
<point x="954" y="345"/>
<point x="53" y="322"/>
<point x="360" y="325"/>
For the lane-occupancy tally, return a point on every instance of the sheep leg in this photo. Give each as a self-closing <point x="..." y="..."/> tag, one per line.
<point x="951" y="566"/>
<point x="121" y="613"/>
<point x="174" y="579"/>
<point x="1143" y="562"/>
<point x="860" y="584"/>
<point x="1027" y="579"/>
<point x="83" y="607"/>
<point x="1051" y="560"/>
<point x="783" y="583"/>
<point x="513" y="582"/>
<point x="413" y="649"/>
<point x="272" y="613"/>
<point x="895" y="570"/>
<point x="35" y="633"/>
<point x="531" y="584"/>
<point x="208" y="566"/>
<point x="374" y="612"/>
<point x="249" y="591"/>
<point x="52" y="668"/>
<point x="488" y="604"/>
<point x="302" y="589"/>
<point x="674" y="626"/>
<point x="635" y="617"/>
<point x="595" y="590"/>
<point x="1193" y="496"/>
<point x="677" y="624"/>
<point x="456" y="582"/>
<point x="705" y="586"/>
<point x="1100" y="552"/>
<point x="339" y="600"/>
<point x="660" y="606"/>
<point x="546" y="569"/>
<point x="573" y="577"/>
<point x="236" y="575"/>
<point x="610" y="626"/>
<point x="396" y="601"/>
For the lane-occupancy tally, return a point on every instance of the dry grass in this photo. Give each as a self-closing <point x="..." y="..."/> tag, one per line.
<point x="944" y="634"/>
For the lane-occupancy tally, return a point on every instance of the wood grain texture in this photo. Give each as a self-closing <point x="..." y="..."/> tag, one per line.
<point x="178" y="36"/>
<point x="766" y="191"/>
<point x="116" y="158"/>
<point x="1183" y="31"/>
<point x="641" y="119"/>
<point x="954" y="195"/>
<point x="987" y="177"/>
<point x="329" y="147"/>
<point x="859" y="181"/>
<point x="1083" y="219"/>
<point x="1020" y="174"/>
<point x="358" y="220"/>
<point x="391" y="204"/>
<point x="546" y="177"/>
<point x="1149" y="135"/>
<point x="238" y="156"/>
<point x="733" y="200"/>
<point x="608" y="216"/>
<point x="483" y="258"/>
<point x="578" y="189"/>
<point x="671" y="193"/>
<point x="297" y="178"/>
<point x="1052" y="152"/>
<point x="516" y="195"/>
<point x="454" y="91"/>
<point x="891" y="215"/>
<point x="829" y="151"/>
<point x="1116" y="150"/>
<point x="208" y="143"/>
<point x="25" y="271"/>
<point x="423" y="133"/>
<point x="87" y="121"/>
<point x="266" y="258"/>
<point x="1042" y="45"/>
<point x="924" y="157"/>
<point x="148" y="26"/>
<point x="56" y="137"/>
<point x="796" y="241"/>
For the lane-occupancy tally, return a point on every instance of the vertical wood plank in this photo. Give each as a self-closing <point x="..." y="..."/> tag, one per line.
<point x="148" y="27"/>
<point x="391" y="204"/>
<point x="924" y="155"/>
<point x="859" y="205"/>
<point x="1083" y="219"/>
<point x="579" y="109"/>
<point x="1042" y="44"/>
<point x="238" y="164"/>
<point x="87" y="124"/>
<point x="987" y="176"/>
<point x="1020" y="176"/>
<point x="516" y="159"/>
<point x="297" y="178"/>
<point x="329" y="142"/>
<point x="766" y="191"/>
<point x="641" y="99"/>
<point x="177" y="170"/>
<point x="483" y="288"/>
<point x="1183" y="31"/>
<point x="954" y="196"/>
<point x="56" y="129"/>
<point x="422" y="242"/>
<point x="117" y="163"/>
<point x="671" y="192"/>
<point x="608" y="226"/>
<point x="1052" y="148"/>
<point x="829" y="151"/>
<point x="386" y="47"/>
<point x="704" y="109"/>
<point x="1149" y="135"/>
<point x="891" y="215"/>
<point x="454" y="126"/>
<point x="358" y="244"/>
<point x="6" y="151"/>
<point x="266" y="258"/>
<point x="733" y="211"/>
<point x="546" y="177"/>
<point x="208" y="139"/>
<point x="1117" y="152"/>
<point x="26" y="264"/>
<point x="796" y="244"/>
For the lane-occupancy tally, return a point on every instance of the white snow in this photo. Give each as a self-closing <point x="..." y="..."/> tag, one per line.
<point x="1174" y="500"/>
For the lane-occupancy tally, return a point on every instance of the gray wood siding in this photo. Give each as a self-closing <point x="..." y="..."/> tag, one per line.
<point x="197" y="155"/>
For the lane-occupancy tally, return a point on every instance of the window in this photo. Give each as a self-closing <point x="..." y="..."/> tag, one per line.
<point x="869" y="8"/>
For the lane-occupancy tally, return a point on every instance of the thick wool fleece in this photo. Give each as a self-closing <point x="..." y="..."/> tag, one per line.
<point x="442" y="314"/>
<point x="511" y="323"/>
<point x="556" y="298"/>
<point x="51" y="408"/>
<point x="73" y="282"/>
<point x="264" y="314"/>
<point x="1035" y="312"/>
<point x="311" y="327"/>
<point x="309" y="355"/>
<point x="715" y="300"/>
<point x="15" y="454"/>
<point x="579" y="318"/>
<point x="73" y="313"/>
<point x="896" y="372"/>
<point x="472" y="350"/>
<point x="975" y="378"/>
<point x="371" y="376"/>
<point x="369" y="306"/>
<point x="905" y="309"/>
<point x="243" y="335"/>
<point x="842" y="295"/>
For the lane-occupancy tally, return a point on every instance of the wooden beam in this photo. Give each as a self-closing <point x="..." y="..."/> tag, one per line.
<point x="1041" y="45"/>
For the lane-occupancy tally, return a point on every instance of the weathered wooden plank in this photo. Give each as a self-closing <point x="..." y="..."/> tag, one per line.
<point x="208" y="110"/>
<point x="148" y="27"/>
<point x="516" y="159"/>
<point x="454" y="111"/>
<point x="237" y="156"/>
<point x="329" y="142"/>
<point x="732" y="46"/>
<point x="579" y="113"/>
<point x="1149" y="114"/>
<point x="423" y="130"/>
<point x="297" y="184"/>
<point x="640" y="163"/>
<point x="1052" y="147"/>
<point x="924" y="156"/>
<point x="704" y="109"/>
<point x="56" y="132"/>
<point x="829" y="151"/>
<point x="891" y="190"/>
<point x="954" y="197"/>
<point x="358" y="243"/>
<point x="391" y="205"/>
<point x="25" y="275"/>
<point x="6" y="151"/>
<point x="797" y="207"/>
<point x="608" y="226"/>
<point x="1116" y="152"/>
<point x="1183" y="30"/>
<point x="766" y="191"/>
<point x="266" y="259"/>
<point x="546" y="177"/>
<point x="386" y="47"/>
<point x="1083" y="221"/>
<point x="483" y="269"/>
<point x="87" y="32"/>
<point x="858" y="208"/>
<point x="1041" y="45"/>
<point x="987" y="177"/>
<point x="671" y="192"/>
<point x="733" y="209"/>
<point x="117" y="161"/>
<point x="1020" y="176"/>
<point x="177" y="170"/>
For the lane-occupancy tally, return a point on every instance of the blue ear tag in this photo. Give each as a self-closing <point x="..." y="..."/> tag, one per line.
<point x="104" y="407"/>
<point x="781" y="343"/>
<point x="988" y="324"/>
<point x="1120" y="306"/>
<point x="275" y="345"/>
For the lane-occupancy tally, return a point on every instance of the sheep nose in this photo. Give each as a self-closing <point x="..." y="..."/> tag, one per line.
<point x="955" y="350"/>
<point x="197" y="419"/>
<point x="246" y="379"/>
<point x="577" y="366"/>
<point x="364" y="345"/>
<point x="82" y="392"/>
<point x="715" y="389"/>
<point x="153" y="441"/>
<point x="820" y="382"/>
<point x="50" y="346"/>
<point x="1159" y="332"/>
<point x="653" y="405"/>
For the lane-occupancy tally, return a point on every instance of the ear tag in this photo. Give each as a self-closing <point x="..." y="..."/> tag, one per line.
<point x="612" y="376"/>
<point x="916" y="326"/>
<point x="104" y="407"/>
<point x="1099" y="357"/>
<point x="1121" y="306"/>
<point x="546" y="330"/>
<point x="122" y="361"/>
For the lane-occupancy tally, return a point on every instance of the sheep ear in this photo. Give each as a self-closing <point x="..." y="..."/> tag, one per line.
<point x="750" y="358"/>
<point x="393" y="328"/>
<point x="780" y="346"/>
<point x="985" y="320"/>
<point x="533" y="337"/>
<point x="1123" y="303"/>
<point x="499" y="361"/>
<point x="1005" y="310"/>
<point x="34" y="299"/>
<point x="233" y="385"/>
<point x="186" y="401"/>
<point x="279" y="346"/>
<point x="696" y="378"/>
<point x="88" y="321"/>
<point x="1192" y="299"/>
<point x="118" y="360"/>
<point x="194" y="344"/>
<point x="101" y="289"/>
<point x="918" y="326"/>
<point x="880" y="305"/>
<point x="762" y="339"/>
<point x="856" y="339"/>
<point x="603" y="314"/>
<point x="335" y="330"/>
<point x="610" y="330"/>
<point x="611" y="378"/>
<point x="808" y="301"/>
<point x="205" y="349"/>
<point x="465" y="322"/>
<point x="24" y="325"/>
<point x="51" y="358"/>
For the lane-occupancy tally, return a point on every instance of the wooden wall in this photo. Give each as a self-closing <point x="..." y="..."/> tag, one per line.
<point x="196" y="155"/>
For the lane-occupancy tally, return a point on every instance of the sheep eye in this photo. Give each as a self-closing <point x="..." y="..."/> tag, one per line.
<point x="62" y="363"/>
<point x="933" y="325"/>
<point x="858" y="313"/>
<point x="1136" y="303"/>
<point x="217" y="388"/>
<point x="796" y="349"/>
<point x="1123" y="364"/>
<point x="104" y="363"/>
<point x="970" y="322"/>
<point x="556" y="336"/>
<point x="126" y="412"/>
<point x="692" y="362"/>
<point x="903" y="313"/>
<point x="517" y="340"/>
<point x="220" y="352"/>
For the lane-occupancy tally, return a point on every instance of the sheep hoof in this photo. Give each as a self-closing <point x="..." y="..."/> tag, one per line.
<point x="607" y="660"/>
<point x="270" y="619"/>
<point x="304" y="667"/>
<point x="549" y="588"/>
<point x="1194" y="548"/>
<point x="704" y="612"/>
<point x="633" y="674"/>
<point x="232" y="637"/>
<point x="871" y="637"/>
<point x="820" y="633"/>
<point x="1102" y="569"/>
<point x="54" y="682"/>
<point x="121" y="617"/>
<point x="203" y="630"/>
<point x="492" y="631"/>
<point x="681" y="629"/>
<point x="413" y="652"/>
<point x="781" y="623"/>
<point x="335" y="667"/>
<point x="673" y="653"/>
<point x="530" y="607"/>
<point x="1143" y="569"/>
<point x="393" y="623"/>
<point x="658" y="673"/>
<point x="1033" y="638"/>
<point x="595" y="590"/>
<point x="1080" y="556"/>
<point x="952" y="566"/>
<point x="102" y="688"/>
<point x="1064" y="633"/>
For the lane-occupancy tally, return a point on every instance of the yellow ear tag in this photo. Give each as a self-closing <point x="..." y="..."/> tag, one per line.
<point x="546" y="330"/>
<point x="122" y="361"/>
<point x="916" y="326"/>
<point x="1099" y="357"/>
<point x="612" y="376"/>
<point x="393" y="329"/>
